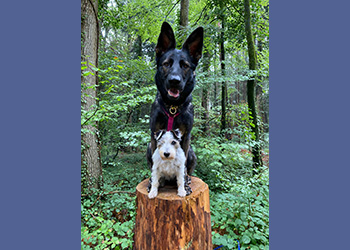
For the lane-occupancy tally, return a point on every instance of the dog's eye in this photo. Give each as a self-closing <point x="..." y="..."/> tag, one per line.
<point x="166" y="64"/>
<point x="185" y="66"/>
<point x="173" y="142"/>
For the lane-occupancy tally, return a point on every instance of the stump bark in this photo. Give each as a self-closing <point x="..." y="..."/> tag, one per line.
<point x="170" y="222"/>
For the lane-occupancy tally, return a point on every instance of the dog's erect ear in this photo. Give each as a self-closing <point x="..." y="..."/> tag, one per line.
<point x="177" y="134"/>
<point x="194" y="45"/>
<point x="159" y="134"/>
<point x="166" y="40"/>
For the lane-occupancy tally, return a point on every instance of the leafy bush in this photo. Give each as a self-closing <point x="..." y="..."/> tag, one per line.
<point x="108" y="216"/>
<point x="239" y="200"/>
<point x="126" y="93"/>
<point x="108" y="223"/>
<point x="242" y="214"/>
<point x="220" y="162"/>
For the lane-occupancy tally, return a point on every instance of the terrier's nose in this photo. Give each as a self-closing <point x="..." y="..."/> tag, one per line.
<point x="166" y="154"/>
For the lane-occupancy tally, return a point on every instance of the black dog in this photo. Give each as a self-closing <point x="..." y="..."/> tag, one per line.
<point x="175" y="79"/>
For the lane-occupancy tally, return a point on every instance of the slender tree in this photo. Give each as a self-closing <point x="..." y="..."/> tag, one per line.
<point x="184" y="7"/>
<point x="251" y="84"/>
<point x="183" y="21"/>
<point x="205" y="93"/>
<point x="222" y="61"/>
<point x="91" y="162"/>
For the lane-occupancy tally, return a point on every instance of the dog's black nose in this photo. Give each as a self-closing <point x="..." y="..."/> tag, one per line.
<point x="174" y="80"/>
<point x="166" y="154"/>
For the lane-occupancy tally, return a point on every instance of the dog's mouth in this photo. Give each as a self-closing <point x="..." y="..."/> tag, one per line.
<point x="175" y="93"/>
<point x="170" y="158"/>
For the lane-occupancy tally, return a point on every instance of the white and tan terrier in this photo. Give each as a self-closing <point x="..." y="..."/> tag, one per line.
<point x="168" y="161"/>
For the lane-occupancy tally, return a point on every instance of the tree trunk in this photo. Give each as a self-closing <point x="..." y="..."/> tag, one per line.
<point x="169" y="222"/>
<point x="215" y="90"/>
<point x="251" y="84"/>
<point x="223" y="86"/>
<point x="184" y="5"/>
<point x="205" y="94"/>
<point x="184" y="13"/>
<point x="91" y="162"/>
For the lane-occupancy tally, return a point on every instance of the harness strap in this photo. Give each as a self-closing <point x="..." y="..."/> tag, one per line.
<point x="170" y="119"/>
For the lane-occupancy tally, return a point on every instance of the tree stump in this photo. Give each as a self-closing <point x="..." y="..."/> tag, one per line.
<point x="170" y="222"/>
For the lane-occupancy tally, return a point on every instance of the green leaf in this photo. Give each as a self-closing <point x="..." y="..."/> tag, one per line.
<point x="245" y="239"/>
<point x="125" y="243"/>
<point x="238" y="222"/>
<point x="86" y="73"/>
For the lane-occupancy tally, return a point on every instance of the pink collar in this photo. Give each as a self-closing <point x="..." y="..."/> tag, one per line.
<point x="171" y="117"/>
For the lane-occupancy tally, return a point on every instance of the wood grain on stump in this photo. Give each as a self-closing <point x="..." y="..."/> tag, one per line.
<point x="170" y="222"/>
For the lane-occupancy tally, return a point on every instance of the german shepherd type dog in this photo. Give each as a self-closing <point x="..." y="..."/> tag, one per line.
<point x="175" y="80"/>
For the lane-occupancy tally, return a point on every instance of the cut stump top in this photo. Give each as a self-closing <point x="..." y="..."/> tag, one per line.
<point x="170" y="192"/>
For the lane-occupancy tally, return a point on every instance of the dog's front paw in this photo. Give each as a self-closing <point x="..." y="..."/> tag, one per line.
<point x="149" y="186"/>
<point x="181" y="192"/>
<point x="188" y="190"/>
<point x="188" y="179"/>
<point x="153" y="193"/>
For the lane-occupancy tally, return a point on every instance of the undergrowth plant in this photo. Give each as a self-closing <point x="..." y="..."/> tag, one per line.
<point x="109" y="223"/>
<point x="220" y="162"/>
<point x="242" y="214"/>
<point x="108" y="216"/>
<point x="239" y="200"/>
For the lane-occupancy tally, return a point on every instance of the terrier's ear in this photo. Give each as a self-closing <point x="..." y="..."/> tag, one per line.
<point x="177" y="134"/>
<point x="166" y="40"/>
<point x="194" y="45"/>
<point x="158" y="134"/>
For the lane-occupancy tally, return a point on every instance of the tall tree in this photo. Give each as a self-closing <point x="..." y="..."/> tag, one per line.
<point x="251" y="84"/>
<point x="183" y="21"/>
<point x="91" y="162"/>
<point x="184" y="7"/>
<point x="222" y="61"/>
<point x="205" y="93"/>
